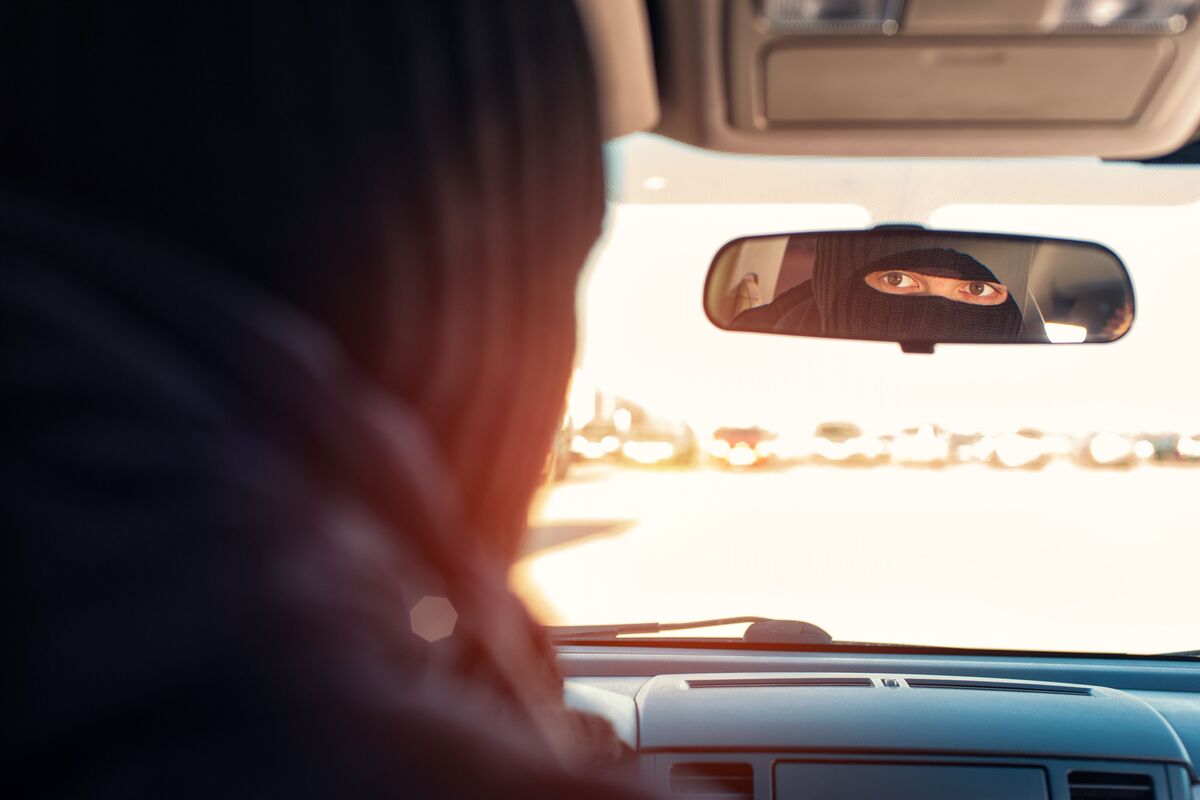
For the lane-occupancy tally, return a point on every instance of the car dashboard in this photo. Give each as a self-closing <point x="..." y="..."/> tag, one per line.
<point x="738" y="724"/>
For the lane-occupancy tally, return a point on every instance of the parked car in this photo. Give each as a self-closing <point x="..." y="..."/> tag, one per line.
<point x="1107" y="449"/>
<point x="1027" y="448"/>
<point x="965" y="447"/>
<point x="659" y="443"/>
<point x="921" y="446"/>
<point x="845" y="443"/>
<point x="743" y="447"/>
<point x="1187" y="449"/>
<point x="599" y="440"/>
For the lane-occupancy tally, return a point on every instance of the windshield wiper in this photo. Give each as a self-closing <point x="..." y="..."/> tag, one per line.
<point x="762" y="629"/>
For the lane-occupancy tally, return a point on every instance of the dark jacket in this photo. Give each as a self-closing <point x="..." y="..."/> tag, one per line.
<point x="792" y="312"/>
<point x="216" y="531"/>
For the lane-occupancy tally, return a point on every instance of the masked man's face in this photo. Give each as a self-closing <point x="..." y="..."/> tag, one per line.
<point x="931" y="294"/>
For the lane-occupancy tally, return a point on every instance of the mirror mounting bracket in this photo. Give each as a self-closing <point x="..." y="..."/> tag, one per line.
<point x="918" y="347"/>
<point x="899" y="226"/>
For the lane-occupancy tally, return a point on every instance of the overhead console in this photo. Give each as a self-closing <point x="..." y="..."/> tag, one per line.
<point x="1111" y="78"/>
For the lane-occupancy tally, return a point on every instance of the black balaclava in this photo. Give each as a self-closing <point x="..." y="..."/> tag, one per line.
<point x="849" y="307"/>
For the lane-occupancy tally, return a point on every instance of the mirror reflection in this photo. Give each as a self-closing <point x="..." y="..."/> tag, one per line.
<point x="919" y="286"/>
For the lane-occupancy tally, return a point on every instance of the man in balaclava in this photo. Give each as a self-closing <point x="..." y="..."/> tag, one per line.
<point x="890" y="299"/>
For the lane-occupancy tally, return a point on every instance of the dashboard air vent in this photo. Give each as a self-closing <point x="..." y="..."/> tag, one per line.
<point x="1110" y="786"/>
<point x="718" y="781"/>
<point x="733" y="683"/>
<point x="996" y="686"/>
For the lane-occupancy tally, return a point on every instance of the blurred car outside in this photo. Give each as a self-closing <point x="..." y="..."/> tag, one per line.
<point x="742" y="448"/>
<point x="1107" y="449"/>
<point x="1027" y="448"/>
<point x="597" y="441"/>
<point x="844" y="443"/>
<point x="921" y="446"/>
<point x="660" y="443"/>
<point x="965" y="447"/>
<point x="1187" y="449"/>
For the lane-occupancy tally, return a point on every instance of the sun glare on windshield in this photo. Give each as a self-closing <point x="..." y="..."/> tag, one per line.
<point x="1012" y="497"/>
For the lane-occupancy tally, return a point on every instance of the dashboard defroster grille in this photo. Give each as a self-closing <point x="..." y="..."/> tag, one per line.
<point x="1110" y="786"/>
<point x="715" y="780"/>
<point x="734" y="683"/>
<point x="997" y="686"/>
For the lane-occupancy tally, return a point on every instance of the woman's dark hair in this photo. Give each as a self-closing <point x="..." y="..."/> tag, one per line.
<point x="422" y="178"/>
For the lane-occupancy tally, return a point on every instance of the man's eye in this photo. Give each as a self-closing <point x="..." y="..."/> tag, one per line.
<point x="981" y="289"/>
<point x="898" y="280"/>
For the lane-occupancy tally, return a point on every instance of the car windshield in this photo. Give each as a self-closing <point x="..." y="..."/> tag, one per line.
<point x="1001" y="497"/>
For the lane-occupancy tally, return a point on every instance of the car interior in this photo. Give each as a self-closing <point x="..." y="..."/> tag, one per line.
<point x="780" y="708"/>
<point x="828" y="427"/>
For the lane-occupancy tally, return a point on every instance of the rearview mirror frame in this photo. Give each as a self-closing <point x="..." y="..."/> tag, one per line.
<point x="1096" y="271"/>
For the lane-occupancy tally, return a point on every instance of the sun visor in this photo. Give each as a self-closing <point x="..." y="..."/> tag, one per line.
<point x="931" y="77"/>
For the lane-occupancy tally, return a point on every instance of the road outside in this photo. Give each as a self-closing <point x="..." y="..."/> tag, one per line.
<point x="1061" y="559"/>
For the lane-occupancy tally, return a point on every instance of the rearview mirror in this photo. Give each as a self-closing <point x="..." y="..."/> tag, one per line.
<point x="920" y="288"/>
